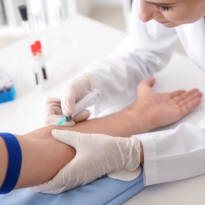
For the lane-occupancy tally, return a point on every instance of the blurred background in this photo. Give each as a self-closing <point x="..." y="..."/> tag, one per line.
<point x="20" y="17"/>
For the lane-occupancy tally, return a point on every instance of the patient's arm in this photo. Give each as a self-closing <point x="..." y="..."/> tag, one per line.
<point x="43" y="156"/>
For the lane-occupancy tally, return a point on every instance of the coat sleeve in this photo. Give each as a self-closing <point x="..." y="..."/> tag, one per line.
<point x="174" y="154"/>
<point x="146" y="50"/>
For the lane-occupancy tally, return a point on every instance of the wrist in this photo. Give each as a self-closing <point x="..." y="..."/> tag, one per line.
<point x="138" y="120"/>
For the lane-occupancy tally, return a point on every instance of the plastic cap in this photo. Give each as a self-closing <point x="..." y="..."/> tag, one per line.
<point x="39" y="46"/>
<point x="34" y="49"/>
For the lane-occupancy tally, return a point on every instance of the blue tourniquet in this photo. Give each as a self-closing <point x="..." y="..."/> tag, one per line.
<point x="14" y="162"/>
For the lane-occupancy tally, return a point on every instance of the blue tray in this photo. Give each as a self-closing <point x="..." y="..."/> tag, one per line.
<point x="103" y="191"/>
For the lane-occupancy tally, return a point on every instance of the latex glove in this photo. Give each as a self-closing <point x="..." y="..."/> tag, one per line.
<point x="96" y="155"/>
<point x="76" y="90"/>
<point x="54" y="113"/>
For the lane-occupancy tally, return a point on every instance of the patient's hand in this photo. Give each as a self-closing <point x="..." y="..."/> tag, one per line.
<point x="161" y="109"/>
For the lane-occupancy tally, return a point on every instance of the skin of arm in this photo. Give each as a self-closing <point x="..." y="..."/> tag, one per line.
<point x="43" y="156"/>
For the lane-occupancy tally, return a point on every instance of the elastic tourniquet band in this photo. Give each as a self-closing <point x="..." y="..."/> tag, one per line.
<point x="14" y="162"/>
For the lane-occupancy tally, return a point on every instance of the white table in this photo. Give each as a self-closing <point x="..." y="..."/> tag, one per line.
<point x="70" y="47"/>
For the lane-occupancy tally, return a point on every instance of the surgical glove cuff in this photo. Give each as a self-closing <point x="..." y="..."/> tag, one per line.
<point x="134" y="154"/>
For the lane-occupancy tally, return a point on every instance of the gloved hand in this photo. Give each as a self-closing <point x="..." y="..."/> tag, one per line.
<point x="96" y="155"/>
<point x="54" y="113"/>
<point x="77" y="90"/>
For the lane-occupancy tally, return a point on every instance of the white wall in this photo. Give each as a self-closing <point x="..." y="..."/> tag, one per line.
<point x="107" y="2"/>
<point x="85" y="6"/>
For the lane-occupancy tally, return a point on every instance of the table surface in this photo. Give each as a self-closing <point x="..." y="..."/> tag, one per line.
<point x="68" y="48"/>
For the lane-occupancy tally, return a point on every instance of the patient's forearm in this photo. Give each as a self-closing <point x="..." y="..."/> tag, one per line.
<point x="43" y="156"/>
<point x="121" y="124"/>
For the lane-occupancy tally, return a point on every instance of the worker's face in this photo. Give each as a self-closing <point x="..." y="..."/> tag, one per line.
<point x="172" y="12"/>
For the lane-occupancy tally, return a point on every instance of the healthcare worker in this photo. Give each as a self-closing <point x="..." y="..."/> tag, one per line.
<point x="155" y="27"/>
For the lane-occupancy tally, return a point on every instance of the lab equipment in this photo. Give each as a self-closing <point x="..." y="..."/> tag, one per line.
<point x="55" y="11"/>
<point x="7" y="90"/>
<point x="64" y="119"/>
<point x="41" y="59"/>
<point x="84" y="103"/>
<point x="100" y="192"/>
<point x="24" y="16"/>
<point x="35" y="66"/>
<point x="36" y="15"/>
<point x="14" y="162"/>
<point x="39" y="68"/>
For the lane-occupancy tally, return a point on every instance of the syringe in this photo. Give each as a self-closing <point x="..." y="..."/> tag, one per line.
<point x="86" y="102"/>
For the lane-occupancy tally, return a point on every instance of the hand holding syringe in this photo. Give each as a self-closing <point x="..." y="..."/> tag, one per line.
<point x="86" y="102"/>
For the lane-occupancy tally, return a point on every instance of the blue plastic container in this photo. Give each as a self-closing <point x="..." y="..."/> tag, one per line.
<point x="7" y="94"/>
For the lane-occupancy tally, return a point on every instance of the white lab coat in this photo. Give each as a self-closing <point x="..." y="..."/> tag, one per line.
<point x="169" y="155"/>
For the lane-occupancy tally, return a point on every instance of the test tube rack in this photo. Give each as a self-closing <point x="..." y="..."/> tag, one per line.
<point x="7" y="90"/>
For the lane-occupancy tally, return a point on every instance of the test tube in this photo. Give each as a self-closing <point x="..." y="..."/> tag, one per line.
<point x="41" y="60"/>
<point x="24" y="16"/>
<point x="35" y="69"/>
<point x="39" y="68"/>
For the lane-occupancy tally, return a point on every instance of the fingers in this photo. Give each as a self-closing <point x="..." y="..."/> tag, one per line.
<point x="177" y="93"/>
<point x="189" y="101"/>
<point x="191" y="95"/>
<point x="190" y="106"/>
<point x="53" y="106"/>
<point x="67" y="137"/>
<point x="54" y="113"/>
<point x="149" y="82"/>
<point x="53" y="110"/>
<point x="180" y="97"/>
<point x="68" y="103"/>
<point x="83" y="115"/>
<point x="53" y="100"/>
